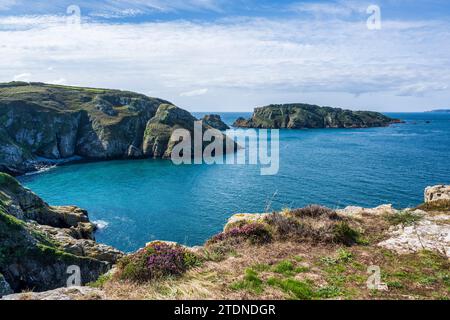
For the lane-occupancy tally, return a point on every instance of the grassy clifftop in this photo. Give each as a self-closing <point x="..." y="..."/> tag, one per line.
<point x="106" y="104"/>
<point x="308" y="253"/>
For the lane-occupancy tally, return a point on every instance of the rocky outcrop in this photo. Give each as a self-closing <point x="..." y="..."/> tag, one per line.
<point x="300" y="116"/>
<point x="359" y="212"/>
<point x="431" y="232"/>
<point x="71" y="293"/>
<point x="42" y="124"/>
<point x="437" y="193"/>
<point x="5" y="288"/>
<point x="214" y="121"/>
<point x="39" y="242"/>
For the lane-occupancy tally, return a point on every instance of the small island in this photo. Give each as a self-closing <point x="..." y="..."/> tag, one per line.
<point x="215" y="121"/>
<point x="440" y="111"/>
<point x="306" y="116"/>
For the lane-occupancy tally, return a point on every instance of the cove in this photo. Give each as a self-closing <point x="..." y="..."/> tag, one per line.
<point x="143" y="200"/>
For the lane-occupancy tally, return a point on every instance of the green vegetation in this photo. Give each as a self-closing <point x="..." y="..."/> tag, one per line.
<point x="251" y="282"/>
<point x="101" y="281"/>
<point x="343" y="233"/>
<point x="405" y="218"/>
<point x="8" y="182"/>
<point x="157" y="260"/>
<point x="298" y="289"/>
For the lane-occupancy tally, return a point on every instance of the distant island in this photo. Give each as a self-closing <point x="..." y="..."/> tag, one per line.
<point x="306" y="116"/>
<point x="440" y="111"/>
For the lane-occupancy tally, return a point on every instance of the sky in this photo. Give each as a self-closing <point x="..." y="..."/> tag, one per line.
<point x="218" y="55"/>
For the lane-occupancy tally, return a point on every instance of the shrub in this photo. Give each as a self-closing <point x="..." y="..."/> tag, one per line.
<point x="284" y="227"/>
<point x="256" y="233"/>
<point x="344" y="234"/>
<point x="315" y="211"/>
<point x="157" y="260"/>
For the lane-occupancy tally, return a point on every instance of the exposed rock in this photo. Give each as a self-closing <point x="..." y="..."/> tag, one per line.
<point x="23" y="204"/>
<point x="5" y="288"/>
<point x="241" y="123"/>
<point x="430" y="233"/>
<point x="44" y="124"/>
<point x="436" y="193"/>
<point x="214" y="121"/>
<point x="38" y="242"/>
<point x="245" y="217"/>
<point x="299" y="116"/>
<point x="358" y="212"/>
<point x="73" y="242"/>
<point x="71" y="293"/>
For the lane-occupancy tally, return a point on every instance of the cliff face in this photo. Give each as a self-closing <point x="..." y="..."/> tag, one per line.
<point x="39" y="242"/>
<point x="299" y="116"/>
<point x="214" y="121"/>
<point x="42" y="124"/>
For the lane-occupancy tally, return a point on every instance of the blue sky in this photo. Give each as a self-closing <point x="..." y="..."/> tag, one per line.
<point x="217" y="55"/>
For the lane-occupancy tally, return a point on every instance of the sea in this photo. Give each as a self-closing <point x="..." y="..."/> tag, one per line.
<point x="138" y="201"/>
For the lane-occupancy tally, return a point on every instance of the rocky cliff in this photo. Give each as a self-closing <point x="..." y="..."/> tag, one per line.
<point x="214" y="121"/>
<point x="39" y="242"/>
<point x="42" y="124"/>
<point x="299" y="116"/>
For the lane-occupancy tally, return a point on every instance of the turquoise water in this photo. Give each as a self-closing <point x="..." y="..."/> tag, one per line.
<point x="139" y="201"/>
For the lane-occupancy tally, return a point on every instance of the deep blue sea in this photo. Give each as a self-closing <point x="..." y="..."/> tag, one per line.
<point x="143" y="200"/>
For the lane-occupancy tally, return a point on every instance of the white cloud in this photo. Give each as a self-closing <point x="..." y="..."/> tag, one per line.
<point x="22" y="77"/>
<point x="58" y="81"/>
<point x="337" y="8"/>
<point x="265" y="57"/>
<point x="194" y="93"/>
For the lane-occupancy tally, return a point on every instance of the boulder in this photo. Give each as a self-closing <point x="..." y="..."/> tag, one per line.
<point x="435" y="193"/>
<point x="358" y="212"/>
<point x="71" y="293"/>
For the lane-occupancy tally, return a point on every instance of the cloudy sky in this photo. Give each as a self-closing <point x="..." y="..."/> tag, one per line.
<point x="218" y="55"/>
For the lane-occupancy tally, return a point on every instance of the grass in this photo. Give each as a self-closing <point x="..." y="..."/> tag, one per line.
<point x="101" y="281"/>
<point x="251" y="282"/>
<point x="7" y="181"/>
<point x="404" y="218"/>
<point x="284" y="267"/>
<point x="298" y="289"/>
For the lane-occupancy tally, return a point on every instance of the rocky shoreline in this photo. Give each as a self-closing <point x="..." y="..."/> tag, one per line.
<point x="39" y="242"/>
